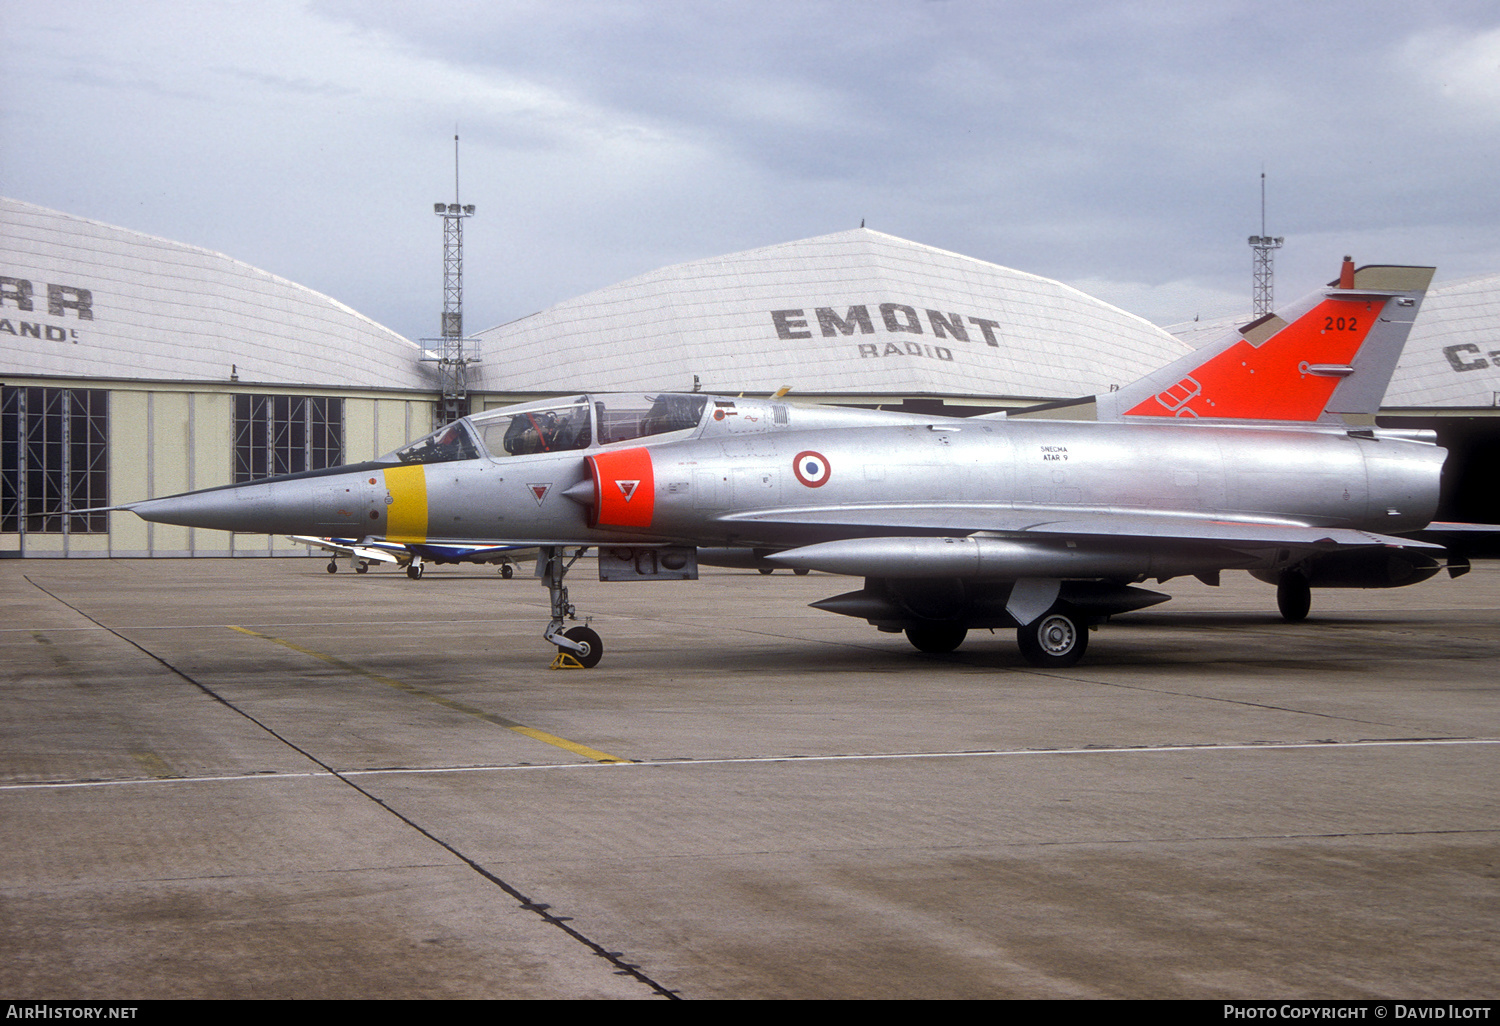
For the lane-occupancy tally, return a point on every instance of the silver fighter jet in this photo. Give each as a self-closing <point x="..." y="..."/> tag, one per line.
<point x="1258" y="452"/>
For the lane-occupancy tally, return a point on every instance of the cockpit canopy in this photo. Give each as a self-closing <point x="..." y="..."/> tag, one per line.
<point x="527" y="432"/>
<point x="556" y="425"/>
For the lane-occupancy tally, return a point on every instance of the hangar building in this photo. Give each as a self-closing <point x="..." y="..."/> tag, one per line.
<point x="133" y="367"/>
<point x="854" y="317"/>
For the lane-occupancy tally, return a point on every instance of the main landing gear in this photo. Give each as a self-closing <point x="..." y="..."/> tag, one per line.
<point x="1293" y="596"/>
<point x="936" y="637"/>
<point x="1054" y="641"/>
<point x="577" y="647"/>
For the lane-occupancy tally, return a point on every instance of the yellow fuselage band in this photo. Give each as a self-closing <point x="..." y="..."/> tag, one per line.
<point x="406" y="515"/>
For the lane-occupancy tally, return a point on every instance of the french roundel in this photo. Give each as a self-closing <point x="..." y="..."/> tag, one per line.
<point x="811" y="468"/>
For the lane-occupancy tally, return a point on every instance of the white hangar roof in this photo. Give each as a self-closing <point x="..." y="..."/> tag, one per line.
<point x="1451" y="359"/>
<point x="854" y="313"/>
<point x="84" y="299"/>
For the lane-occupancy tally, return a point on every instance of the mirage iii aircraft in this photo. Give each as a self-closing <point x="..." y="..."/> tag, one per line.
<point x="1258" y="452"/>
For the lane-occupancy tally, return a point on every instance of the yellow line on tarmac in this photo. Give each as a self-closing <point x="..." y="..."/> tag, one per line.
<point x="447" y="703"/>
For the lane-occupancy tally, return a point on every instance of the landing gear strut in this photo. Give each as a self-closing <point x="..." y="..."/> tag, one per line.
<point x="581" y="643"/>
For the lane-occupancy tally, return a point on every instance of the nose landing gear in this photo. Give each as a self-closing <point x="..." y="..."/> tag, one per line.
<point x="580" y="644"/>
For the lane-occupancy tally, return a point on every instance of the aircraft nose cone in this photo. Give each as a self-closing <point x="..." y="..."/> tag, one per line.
<point x="332" y="504"/>
<point x="220" y="509"/>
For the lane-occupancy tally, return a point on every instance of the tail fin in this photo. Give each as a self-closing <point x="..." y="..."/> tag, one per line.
<point x="1328" y="359"/>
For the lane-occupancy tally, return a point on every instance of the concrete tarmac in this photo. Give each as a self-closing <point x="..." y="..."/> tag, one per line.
<point x="250" y="778"/>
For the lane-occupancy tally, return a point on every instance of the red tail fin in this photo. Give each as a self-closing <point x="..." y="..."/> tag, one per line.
<point x="1329" y="359"/>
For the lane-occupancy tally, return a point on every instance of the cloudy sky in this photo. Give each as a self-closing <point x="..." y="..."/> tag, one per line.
<point x="1114" y="146"/>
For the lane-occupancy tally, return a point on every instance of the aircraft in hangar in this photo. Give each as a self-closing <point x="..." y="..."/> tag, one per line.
<point x="1257" y="452"/>
<point x="414" y="556"/>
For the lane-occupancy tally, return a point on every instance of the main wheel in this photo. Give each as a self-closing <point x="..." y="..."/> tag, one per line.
<point x="506" y="571"/>
<point x="414" y="571"/>
<point x="765" y="571"/>
<point x="936" y="637"/>
<point x="333" y="567"/>
<point x="1293" y="596"/>
<point x="593" y="646"/>
<point x="361" y="567"/>
<point x="802" y="571"/>
<point x="1055" y="641"/>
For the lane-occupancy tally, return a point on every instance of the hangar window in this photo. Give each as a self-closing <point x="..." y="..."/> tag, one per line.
<point x="53" y="455"/>
<point x="286" y="434"/>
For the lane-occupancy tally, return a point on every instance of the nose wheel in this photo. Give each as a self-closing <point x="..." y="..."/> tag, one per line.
<point x="589" y="640"/>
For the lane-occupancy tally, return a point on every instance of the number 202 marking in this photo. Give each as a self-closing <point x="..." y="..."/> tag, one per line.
<point x="1340" y="323"/>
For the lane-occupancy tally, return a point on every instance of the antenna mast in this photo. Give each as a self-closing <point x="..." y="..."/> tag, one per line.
<point x="1264" y="272"/>
<point x="452" y="352"/>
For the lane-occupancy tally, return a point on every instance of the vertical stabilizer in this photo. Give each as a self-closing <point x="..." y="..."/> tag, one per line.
<point x="1327" y="359"/>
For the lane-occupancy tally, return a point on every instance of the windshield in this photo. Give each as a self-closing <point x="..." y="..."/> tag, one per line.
<point x="446" y="444"/>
